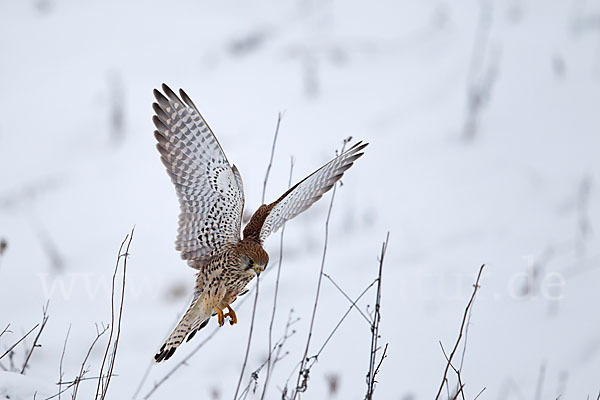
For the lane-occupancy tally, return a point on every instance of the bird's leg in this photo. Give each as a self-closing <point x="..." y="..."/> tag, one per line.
<point x="231" y="314"/>
<point x="220" y="316"/>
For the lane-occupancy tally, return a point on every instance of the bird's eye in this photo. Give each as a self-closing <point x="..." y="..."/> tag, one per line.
<point x="251" y="263"/>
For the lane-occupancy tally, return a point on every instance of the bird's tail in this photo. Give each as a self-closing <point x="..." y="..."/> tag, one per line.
<point x="191" y="322"/>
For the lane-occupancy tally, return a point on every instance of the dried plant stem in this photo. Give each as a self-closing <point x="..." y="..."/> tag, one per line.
<point x="266" y="180"/>
<point x="120" y="316"/>
<point x="302" y="373"/>
<point x="102" y="386"/>
<point x="302" y="379"/>
<point x="5" y="330"/>
<point x="279" y="117"/>
<point x="461" y="385"/>
<point x="483" y="390"/>
<point x="45" y="317"/>
<point x="352" y="305"/>
<point x="112" y="316"/>
<point x="19" y="341"/>
<point x="348" y="297"/>
<point x="249" y="340"/>
<point x="373" y="369"/>
<point x="460" y="334"/>
<point x="60" y="365"/>
<point x="314" y="358"/>
<point x="274" y="354"/>
<point x="268" y="373"/>
<point x="82" y="370"/>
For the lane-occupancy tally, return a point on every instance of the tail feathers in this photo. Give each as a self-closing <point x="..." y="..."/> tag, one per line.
<point x="199" y="325"/>
<point x="189" y="325"/>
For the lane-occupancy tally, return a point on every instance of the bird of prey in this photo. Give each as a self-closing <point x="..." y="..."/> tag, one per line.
<point x="211" y="200"/>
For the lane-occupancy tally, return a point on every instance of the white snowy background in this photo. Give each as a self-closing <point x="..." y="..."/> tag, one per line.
<point x="518" y="190"/>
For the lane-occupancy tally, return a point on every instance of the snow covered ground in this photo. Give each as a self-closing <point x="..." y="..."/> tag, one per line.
<point x="519" y="192"/>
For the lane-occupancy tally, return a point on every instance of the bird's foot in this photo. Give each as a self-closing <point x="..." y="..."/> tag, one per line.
<point x="231" y="315"/>
<point x="220" y="316"/>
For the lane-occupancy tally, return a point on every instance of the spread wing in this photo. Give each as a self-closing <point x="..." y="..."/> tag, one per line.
<point x="269" y="218"/>
<point x="210" y="191"/>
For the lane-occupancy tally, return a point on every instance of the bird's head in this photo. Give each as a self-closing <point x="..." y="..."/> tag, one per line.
<point x="255" y="258"/>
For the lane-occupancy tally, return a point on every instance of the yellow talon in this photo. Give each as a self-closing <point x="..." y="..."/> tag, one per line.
<point x="220" y="316"/>
<point x="231" y="314"/>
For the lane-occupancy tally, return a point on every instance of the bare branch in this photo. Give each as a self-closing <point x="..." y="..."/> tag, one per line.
<point x="459" y="389"/>
<point x="348" y="298"/>
<point x="375" y="327"/>
<point x="249" y="339"/>
<point x="82" y="369"/>
<point x="460" y="334"/>
<point x="279" y="117"/>
<point x="34" y="345"/>
<point x="5" y="330"/>
<point x="60" y="365"/>
<point x="352" y="305"/>
<point x="120" y="316"/>
<point x="102" y="386"/>
<point x="112" y="316"/>
<point x="19" y="341"/>
<point x="268" y="373"/>
<point x="313" y="359"/>
<point x="303" y="373"/>
<point x="383" y="357"/>
<point x="479" y="394"/>
<point x="274" y="354"/>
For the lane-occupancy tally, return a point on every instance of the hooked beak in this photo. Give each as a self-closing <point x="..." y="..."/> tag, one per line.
<point x="258" y="269"/>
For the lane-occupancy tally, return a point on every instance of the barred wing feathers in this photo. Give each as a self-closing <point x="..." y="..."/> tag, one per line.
<point x="210" y="190"/>
<point x="269" y="218"/>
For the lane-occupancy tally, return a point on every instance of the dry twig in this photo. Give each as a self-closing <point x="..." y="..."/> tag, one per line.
<point x="60" y="365"/>
<point x="102" y="386"/>
<point x="279" y="117"/>
<point x="19" y="341"/>
<point x="460" y="387"/>
<point x="348" y="297"/>
<point x="5" y="330"/>
<point x="479" y="394"/>
<point x="303" y="372"/>
<point x="373" y="369"/>
<point x="82" y="370"/>
<point x="352" y="305"/>
<point x="268" y="373"/>
<point x="460" y="334"/>
<point x="274" y="355"/>
<point x="237" y="389"/>
<point x="37" y="337"/>
<point x="314" y="358"/>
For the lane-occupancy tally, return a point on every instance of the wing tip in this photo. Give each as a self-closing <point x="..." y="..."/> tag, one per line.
<point x="170" y="93"/>
<point x="162" y="100"/>
<point x="358" y="146"/>
<point x="159" y="124"/>
<point x="187" y="100"/>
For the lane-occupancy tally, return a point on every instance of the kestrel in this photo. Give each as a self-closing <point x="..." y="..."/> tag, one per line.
<point x="211" y="200"/>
